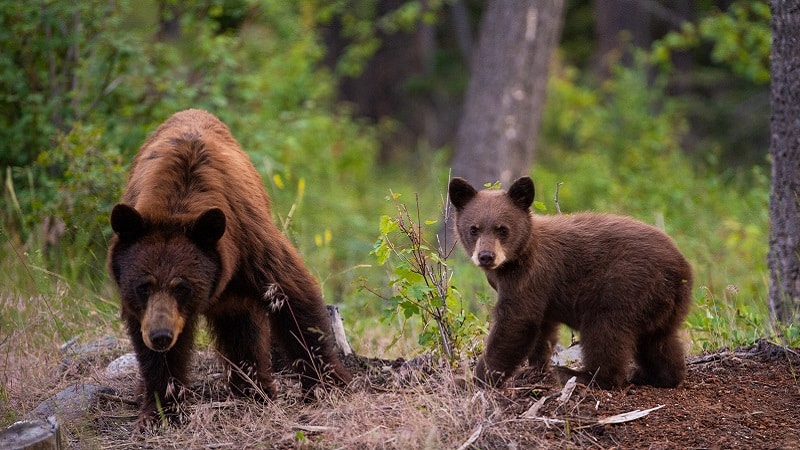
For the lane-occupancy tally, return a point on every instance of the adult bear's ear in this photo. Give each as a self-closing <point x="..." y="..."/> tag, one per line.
<point x="461" y="192"/>
<point x="208" y="228"/>
<point x="521" y="193"/>
<point x="127" y="222"/>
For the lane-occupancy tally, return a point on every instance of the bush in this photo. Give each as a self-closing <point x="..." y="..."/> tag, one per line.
<point x="421" y="284"/>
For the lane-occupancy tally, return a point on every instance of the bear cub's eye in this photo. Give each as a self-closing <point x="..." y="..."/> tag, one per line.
<point x="473" y="230"/>
<point x="502" y="231"/>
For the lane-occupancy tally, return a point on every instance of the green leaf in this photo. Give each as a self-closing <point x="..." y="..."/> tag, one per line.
<point x="382" y="251"/>
<point x="419" y="291"/>
<point x="409" y="308"/>
<point x="388" y="314"/>
<point x="388" y="224"/>
<point x="405" y="273"/>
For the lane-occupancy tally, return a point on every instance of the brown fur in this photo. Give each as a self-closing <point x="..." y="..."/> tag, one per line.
<point x="194" y="236"/>
<point x="623" y="284"/>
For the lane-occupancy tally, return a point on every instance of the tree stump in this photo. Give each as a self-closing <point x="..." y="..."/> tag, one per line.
<point x="32" y="435"/>
<point x="338" y="330"/>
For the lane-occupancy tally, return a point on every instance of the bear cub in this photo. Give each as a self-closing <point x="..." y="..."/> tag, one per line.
<point x="622" y="284"/>
<point x="194" y="237"/>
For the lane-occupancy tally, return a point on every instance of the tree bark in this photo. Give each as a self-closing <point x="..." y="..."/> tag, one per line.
<point x="784" y="206"/>
<point x="496" y="138"/>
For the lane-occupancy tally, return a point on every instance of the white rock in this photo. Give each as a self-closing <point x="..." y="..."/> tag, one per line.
<point x="124" y="365"/>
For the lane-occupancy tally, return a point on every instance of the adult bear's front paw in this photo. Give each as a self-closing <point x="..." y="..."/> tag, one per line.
<point x="487" y="376"/>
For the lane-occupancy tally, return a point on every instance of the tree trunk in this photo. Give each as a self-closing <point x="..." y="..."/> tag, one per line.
<point x="169" y="21"/>
<point x="503" y="108"/>
<point x="618" y="23"/>
<point x="784" y="211"/>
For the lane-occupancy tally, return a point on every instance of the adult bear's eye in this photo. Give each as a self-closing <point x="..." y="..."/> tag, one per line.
<point x="473" y="230"/>
<point x="502" y="231"/>
<point x="182" y="290"/>
<point x="143" y="291"/>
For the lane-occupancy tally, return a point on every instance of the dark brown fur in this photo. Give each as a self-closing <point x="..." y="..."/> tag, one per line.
<point x="194" y="236"/>
<point x="623" y="284"/>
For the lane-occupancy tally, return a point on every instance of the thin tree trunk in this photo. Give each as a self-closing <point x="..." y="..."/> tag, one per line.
<point x="784" y="207"/>
<point x="618" y="23"/>
<point x="497" y="135"/>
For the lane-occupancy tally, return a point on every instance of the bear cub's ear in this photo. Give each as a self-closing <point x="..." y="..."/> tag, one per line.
<point x="461" y="192"/>
<point x="521" y="193"/>
<point x="126" y="222"/>
<point x="208" y="228"/>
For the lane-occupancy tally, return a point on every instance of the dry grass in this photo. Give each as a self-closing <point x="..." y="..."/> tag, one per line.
<point x="419" y="404"/>
<point x="422" y="403"/>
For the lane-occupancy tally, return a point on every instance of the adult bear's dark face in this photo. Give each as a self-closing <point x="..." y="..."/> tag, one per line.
<point x="166" y="273"/>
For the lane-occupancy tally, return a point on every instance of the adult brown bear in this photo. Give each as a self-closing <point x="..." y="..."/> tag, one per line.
<point x="194" y="236"/>
<point x="623" y="284"/>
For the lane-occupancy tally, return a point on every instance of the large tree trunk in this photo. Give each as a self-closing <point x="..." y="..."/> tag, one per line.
<point x="784" y="208"/>
<point x="503" y="108"/>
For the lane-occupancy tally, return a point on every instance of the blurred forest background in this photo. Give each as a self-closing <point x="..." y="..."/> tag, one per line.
<point x="349" y="109"/>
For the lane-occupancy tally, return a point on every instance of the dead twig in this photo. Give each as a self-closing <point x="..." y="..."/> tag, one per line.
<point x="472" y="438"/>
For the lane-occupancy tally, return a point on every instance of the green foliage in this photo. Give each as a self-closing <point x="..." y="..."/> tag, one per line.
<point x="362" y="22"/>
<point x="727" y="322"/>
<point x="59" y="62"/>
<point x="258" y="72"/>
<point x="420" y="281"/>
<point x="623" y="134"/>
<point x="64" y="216"/>
<point x="741" y="38"/>
<point x="84" y="193"/>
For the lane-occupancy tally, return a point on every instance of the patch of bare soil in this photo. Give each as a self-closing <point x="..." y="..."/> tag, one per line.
<point x="746" y="398"/>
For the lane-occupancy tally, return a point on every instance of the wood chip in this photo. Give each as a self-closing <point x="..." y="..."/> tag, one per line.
<point x="566" y="392"/>
<point x="533" y="411"/>
<point x="472" y="438"/>
<point x="628" y="416"/>
<point x="314" y="428"/>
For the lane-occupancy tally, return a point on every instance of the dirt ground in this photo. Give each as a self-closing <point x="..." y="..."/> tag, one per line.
<point x="745" y="398"/>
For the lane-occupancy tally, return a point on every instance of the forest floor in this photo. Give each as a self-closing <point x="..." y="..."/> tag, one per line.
<point x="743" y="398"/>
